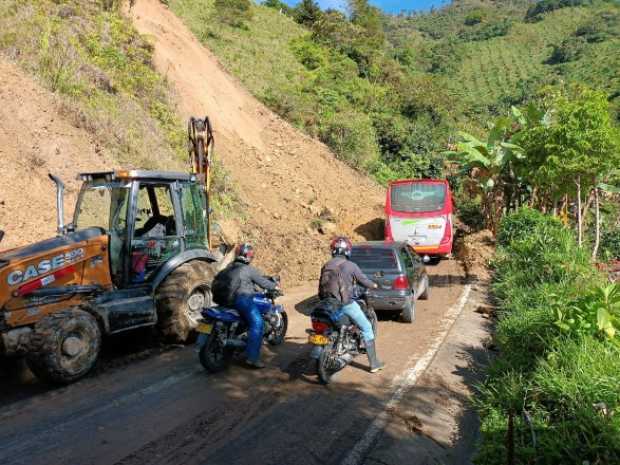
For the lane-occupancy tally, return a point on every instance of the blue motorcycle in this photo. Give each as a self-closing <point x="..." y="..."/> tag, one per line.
<point x="222" y="332"/>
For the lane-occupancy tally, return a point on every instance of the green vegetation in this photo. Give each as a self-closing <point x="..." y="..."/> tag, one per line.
<point x="556" y="157"/>
<point x="556" y="380"/>
<point x="388" y="93"/>
<point x="233" y="12"/>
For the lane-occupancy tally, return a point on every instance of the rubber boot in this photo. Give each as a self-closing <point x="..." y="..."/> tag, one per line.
<point x="373" y="361"/>
<point x="255" y="364"/>
<point x="312" y="367"/>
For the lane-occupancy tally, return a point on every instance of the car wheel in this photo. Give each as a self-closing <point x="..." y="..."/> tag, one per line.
<point x="427" y="289"/>
<point x="408" y="313"/>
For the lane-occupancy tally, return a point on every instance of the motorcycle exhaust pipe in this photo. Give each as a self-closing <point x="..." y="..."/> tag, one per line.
<point x="60" y="205"/>
<point x="236" y="343"/>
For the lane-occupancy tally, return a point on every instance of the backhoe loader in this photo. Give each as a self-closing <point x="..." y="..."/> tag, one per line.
<point x="136" y="254"/>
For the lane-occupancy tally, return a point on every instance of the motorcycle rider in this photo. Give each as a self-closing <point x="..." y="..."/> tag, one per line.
<point x="347" y="273"/>
<point x="238" y="281"/>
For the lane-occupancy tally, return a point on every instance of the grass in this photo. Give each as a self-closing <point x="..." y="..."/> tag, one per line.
<point x="560" y="385"/>
<point x="259" y="54"/>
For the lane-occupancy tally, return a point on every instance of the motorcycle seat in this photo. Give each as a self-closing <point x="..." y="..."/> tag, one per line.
<point x="225" y="314"/>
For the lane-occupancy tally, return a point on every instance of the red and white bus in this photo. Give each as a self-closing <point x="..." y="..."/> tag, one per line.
<point x="419" y="212"/>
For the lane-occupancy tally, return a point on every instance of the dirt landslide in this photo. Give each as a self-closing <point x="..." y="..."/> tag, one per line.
<point x="36" y="139"/>
<point x="289" y="184"/>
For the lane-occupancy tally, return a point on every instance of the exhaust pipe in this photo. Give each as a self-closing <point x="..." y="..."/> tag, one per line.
<point x="60" y="205"/>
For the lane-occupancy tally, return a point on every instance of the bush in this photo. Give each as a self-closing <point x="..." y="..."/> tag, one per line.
<point x="233" y="12"/>
<point x="474" y="17"/>
<point x="470" y="213"/>
<point x="352" y="137"/>
<point x="559" y="368"/>
<point x="610" y="244"/>
<point x="569" y="50"/>
<point x="487" y="31"/>
<point x="535" y="12"/>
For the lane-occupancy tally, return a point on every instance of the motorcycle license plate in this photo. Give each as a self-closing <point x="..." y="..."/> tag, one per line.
<point x="318" y="340"/>
<point x="204" y="328"/>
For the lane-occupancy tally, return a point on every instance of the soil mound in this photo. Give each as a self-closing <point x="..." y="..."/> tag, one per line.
<point x="36" y="139"/>
<point x="291" y="186"/>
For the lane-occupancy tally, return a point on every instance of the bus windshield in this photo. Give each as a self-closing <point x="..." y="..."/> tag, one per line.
<point x="418" y="197"/>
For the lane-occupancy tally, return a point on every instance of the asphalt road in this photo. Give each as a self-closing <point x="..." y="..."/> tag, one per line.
<point x="158" y="406"/>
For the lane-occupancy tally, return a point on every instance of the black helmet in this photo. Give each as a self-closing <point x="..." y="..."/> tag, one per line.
<point x="341" y="246"/>
<point x="245" y="253"/>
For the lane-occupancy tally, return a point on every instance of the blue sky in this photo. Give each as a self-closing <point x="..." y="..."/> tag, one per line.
<point x="390" y="6"/>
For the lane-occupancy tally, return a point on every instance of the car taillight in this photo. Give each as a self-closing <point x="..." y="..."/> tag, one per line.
<point x="388" y="230"/>
<point x="319" y="327"/>
<point x="447" y="233"/>
<point x="401" y="283"/>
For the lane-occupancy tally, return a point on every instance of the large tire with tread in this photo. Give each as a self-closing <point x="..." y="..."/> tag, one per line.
<point x="64" y="346"/>
<point x="181" y="297"/>
<point x="408" y="313"/>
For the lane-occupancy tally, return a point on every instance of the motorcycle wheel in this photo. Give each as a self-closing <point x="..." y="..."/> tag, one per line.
<point x="278" y="335"/>
<point x="326" y="366"/>
<point x="214" y="357"/>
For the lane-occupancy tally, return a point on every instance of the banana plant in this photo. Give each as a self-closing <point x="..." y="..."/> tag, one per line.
<point x="490" y="165"/>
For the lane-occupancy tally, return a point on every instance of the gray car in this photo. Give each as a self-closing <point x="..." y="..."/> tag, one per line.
<point x="400" y="273"/>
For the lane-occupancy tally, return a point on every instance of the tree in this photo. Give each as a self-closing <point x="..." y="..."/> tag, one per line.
<point x="576" y="149"/>
<point x="233" y="12"/>
<point x="279" y="5"/>
<point x="308" y="12"/>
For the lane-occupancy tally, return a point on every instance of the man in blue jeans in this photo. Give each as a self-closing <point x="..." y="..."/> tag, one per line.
<point x="338" y="278"/>
<point x="238" y="281"/>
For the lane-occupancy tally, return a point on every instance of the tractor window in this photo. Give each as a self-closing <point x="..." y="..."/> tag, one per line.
<point x="103" y="206"/>
<point x="155" y="239"/>
<point x="193" y="206"/>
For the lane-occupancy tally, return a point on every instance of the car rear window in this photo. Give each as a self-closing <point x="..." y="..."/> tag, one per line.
<point x="374" y="258"/>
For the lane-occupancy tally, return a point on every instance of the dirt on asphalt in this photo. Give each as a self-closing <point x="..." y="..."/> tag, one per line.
<point x="164" y="409"/>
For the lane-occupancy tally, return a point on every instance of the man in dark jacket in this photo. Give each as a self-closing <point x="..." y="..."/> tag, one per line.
<point x="235" y="286"/>
<point x="338" y="278"/>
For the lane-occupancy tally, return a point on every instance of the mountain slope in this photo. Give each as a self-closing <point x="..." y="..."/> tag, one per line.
<point x="287" y="181"/>
<point x="35" y="138"/>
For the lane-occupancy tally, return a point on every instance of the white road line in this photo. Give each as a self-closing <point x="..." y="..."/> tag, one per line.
<point x="405" y="380"/>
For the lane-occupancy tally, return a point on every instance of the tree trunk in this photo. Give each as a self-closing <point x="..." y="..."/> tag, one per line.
<point x="597" y="239"/>
<point x="579" y="224"/>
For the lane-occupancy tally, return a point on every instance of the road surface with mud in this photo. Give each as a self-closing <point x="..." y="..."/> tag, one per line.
<point x="160" y="407"/>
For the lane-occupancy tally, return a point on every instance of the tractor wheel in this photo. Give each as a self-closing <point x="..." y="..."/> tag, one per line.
<point x="181" y="298"/>
<point x="64" y="346"/>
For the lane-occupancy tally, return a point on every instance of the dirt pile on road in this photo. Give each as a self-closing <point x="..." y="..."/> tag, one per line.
<point x="475" y="251"/>
<point x="36" y="139"/>
<point x="290" y="185"/>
